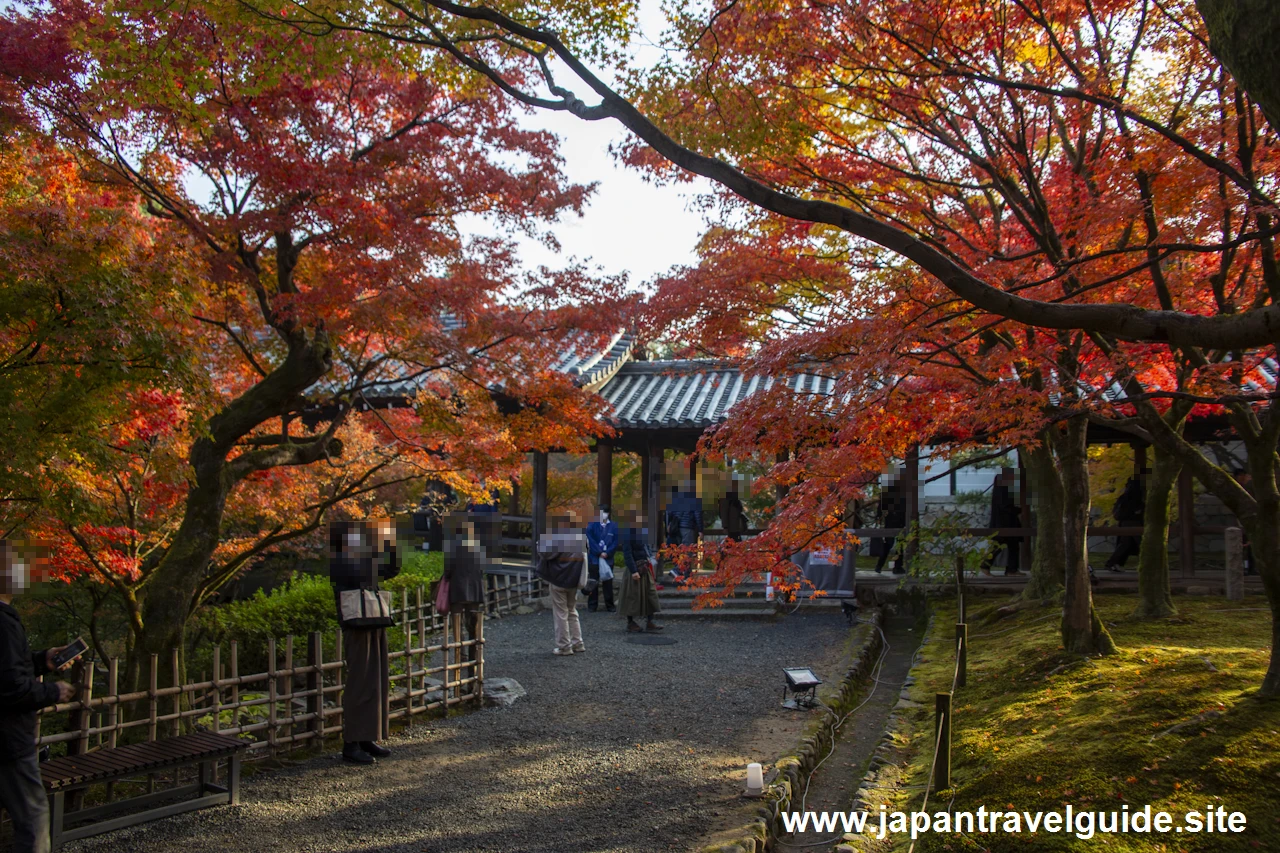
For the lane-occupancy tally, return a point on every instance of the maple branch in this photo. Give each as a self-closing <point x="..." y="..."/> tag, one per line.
<point x="1259" y="327"/>
<point x="226" y="327"/>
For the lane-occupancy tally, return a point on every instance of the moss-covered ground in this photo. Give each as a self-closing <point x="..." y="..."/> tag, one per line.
<point x="1036" y="729"/>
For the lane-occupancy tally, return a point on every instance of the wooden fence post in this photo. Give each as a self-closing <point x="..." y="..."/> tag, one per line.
<point x="478" y="652"/>
<point x="942" y="735"/>
<point x="315" y="685"/>
<point x="217" y="687"/>
<point x="271" y="695"/>
<point x="962" y="653"/>
<point x="113" y="690"/>
<point x="340" y="675"/>
<point x="85" y="714"/>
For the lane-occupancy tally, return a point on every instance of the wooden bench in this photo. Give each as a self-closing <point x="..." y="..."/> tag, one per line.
<point x="77" y="772"/>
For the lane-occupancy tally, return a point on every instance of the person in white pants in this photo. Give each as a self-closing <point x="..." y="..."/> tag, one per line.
<point x="562" y="563"/>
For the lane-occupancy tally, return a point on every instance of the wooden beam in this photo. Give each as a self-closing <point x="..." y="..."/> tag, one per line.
<point x="652" y="473"/>
<point x="604" y="474"/>
<point x="1186" y="524"/>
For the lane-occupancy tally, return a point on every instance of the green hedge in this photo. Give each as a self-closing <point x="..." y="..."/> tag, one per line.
<point x="303" y="604"/>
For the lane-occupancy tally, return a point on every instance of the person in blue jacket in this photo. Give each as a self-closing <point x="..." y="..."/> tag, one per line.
<point x="602" y="544"/>
<point x="683" y="520"/>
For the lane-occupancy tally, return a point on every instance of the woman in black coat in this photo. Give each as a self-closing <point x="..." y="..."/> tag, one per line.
<point x="359" y="554"/>
<point x="464" y="562"/>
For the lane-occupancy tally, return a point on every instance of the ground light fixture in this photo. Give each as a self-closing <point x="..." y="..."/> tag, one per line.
<point x="802" y="686"/>
<point x="755" y="780"/>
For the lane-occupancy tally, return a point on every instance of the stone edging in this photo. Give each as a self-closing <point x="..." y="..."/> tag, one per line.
<point x="789" y="772"/>
<point x="888" y="762"/>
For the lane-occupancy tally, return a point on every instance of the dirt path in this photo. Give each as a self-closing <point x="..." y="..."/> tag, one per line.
<point x="625" y="748"/>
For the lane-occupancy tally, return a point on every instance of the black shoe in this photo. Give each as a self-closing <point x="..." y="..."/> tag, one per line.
<point x="374" y="749"/>
<point x="591" y="608"/>
<point x="1011" y="573"/>
<point x="353" y="753"/>
<point x="610" y="608"/>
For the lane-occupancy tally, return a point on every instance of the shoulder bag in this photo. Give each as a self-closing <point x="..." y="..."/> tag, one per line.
<point x="366" y="608"/>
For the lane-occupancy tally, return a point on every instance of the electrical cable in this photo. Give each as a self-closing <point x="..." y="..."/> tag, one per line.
<point x="875" y="679"/>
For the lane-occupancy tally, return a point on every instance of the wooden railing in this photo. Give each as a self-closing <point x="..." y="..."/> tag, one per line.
<point x="437" y="662"/>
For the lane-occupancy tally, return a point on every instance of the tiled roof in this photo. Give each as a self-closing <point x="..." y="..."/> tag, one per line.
<point x="594" y="366"/>
<point x="691" y="394"/>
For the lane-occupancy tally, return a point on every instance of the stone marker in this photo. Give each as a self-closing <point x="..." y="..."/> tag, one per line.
<point x="1234" y="540"/>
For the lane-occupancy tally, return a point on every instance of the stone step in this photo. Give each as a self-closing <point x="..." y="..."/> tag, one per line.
<point x="738" y="613"/>
<point x="686" y="603"/>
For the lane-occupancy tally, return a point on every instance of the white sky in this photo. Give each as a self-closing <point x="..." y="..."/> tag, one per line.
<point x="629" y="226"/>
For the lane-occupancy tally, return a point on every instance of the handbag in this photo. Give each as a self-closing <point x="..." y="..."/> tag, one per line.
<point x="442" y="597"/>
<point x="365" y="608"/>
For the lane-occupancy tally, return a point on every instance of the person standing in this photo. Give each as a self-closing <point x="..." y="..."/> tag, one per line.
<point x="639" y="592"/>
<point x="1128" y="511"/>
<point x="465" y="560"/>
<point x="733" y="515"/>
<point x="602" y="545"/>
<point x="684" y="521"/>
<point x="22" y="694"/>
<point x="893" y="514"/>
<point x="562" y="563"/>
<point x="1005" y="512"/>
<point x="361" y="554"/>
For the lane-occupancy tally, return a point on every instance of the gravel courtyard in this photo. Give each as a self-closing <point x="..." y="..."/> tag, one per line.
<point x="624" y="748"/>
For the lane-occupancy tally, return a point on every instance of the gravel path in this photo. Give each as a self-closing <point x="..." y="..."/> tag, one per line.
<point x="624" y="748"/>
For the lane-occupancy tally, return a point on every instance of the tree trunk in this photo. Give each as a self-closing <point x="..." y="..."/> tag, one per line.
<point x="1154" y="598"/>
<point x="171" y="591"/>
<point x="1245" y="36"/>
<point x="1263" y="531"/>
<point x="1045" y="484"/>
<point x="1082" y="631"/>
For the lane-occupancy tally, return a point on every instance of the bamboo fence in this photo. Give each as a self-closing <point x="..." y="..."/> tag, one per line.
<point x="298" y="698"/>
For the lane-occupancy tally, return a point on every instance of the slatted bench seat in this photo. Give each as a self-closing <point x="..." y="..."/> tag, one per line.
<point x="76" y="772"/>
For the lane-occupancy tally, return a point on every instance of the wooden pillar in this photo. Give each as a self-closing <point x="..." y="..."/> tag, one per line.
<point x="652" y="473"/>
<point x="1186" y="524"/>
<point x="1024" y="503"/>
<point x="1139" y="459"/>
<point x="539" y="499"/>
<point x="514" y="509"/>
<point x="911" y="488"/>
<point x="604" y="474"/>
